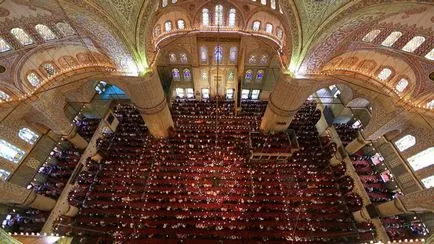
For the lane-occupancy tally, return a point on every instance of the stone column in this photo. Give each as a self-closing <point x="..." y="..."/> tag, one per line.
<point x="148" y="96"/>
<point x="421" y="201"/>
<point x="14" y="195"/>
<point x="286" y="98"/>
<point x="356" y="144"/>
<point x="76" y="139"/>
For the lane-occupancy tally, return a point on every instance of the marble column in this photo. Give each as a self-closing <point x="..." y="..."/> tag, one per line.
<point x="356" y="144"/>
<point x="421" y="201"/>
<point x="148" y="96"/>
<point x="286" y="98"/>
<point x="14" y="195"/>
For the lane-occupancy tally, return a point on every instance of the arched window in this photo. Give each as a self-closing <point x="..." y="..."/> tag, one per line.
<point x="167" y="26"/>
<point x="245" y="94"/>
<point x="264" y="2"/>
<point x="65" y="29"/>
<point x="413" y="44"/>
<point x="256" y="25"/>
<point x="172" y="58"/>
<point x="255" y="94"/>
<point x="49" y="68"/>
<point x="175" y="74"/>
<point x="401" y="85"/>
<point x="371" y="36"/>
<point x="422" y="159"/>
<point x="249" y="75"/>
<point x="428" y="182"/>
<point x="157" y="30"/>
<point x="10" y="152"/>
<point x="252" y="59"/>
<point x="384" y="74"/>
<point x="190" y="92"/>
<point x="187" y="75"/>
<point x="391" y="39"/>
<point x="233" y="53"/>
<point x="22" y="36"/>
<point x="218" y="15"/>
<point x="3" y="96"/>
<point x="203" y="54"/>
<point x="4" y="46"/>
<point x="164" y="3"/>
<point x="28" y="135"/>
<point x="181" y="24"/>
<point x="174" y="1"/>
<point x="269" y="28"/>
<point x="179" y="92"/>
<point x="205" y="17"/>
<point x="279" y="33"/>
<point x="232" y="17"/>
<point x="264" y="59"/>
<point x="273" y="4"/>
<point x="405" y="142"/>
<point x="259" y="75"/>
<point x="429" y="55"/>
<point x="45" y="32"/>
<point x="430" y="104"/>
<point x="183" y="58"/>
<point x="218" y="54"/>
<point x="33" y="79"/>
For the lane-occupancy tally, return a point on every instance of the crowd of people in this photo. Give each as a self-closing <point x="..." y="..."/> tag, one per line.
<point x="346" y="133"/>
<point x="199" y="185"/>
<point x="86" y="127"/>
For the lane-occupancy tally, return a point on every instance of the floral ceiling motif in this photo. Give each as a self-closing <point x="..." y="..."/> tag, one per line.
<point x="124" y="7"/>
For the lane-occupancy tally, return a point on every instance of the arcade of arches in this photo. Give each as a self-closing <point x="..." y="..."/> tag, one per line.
<point x="163" y="121"/>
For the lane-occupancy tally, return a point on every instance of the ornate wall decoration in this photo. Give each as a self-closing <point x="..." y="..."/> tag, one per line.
<point x="124" y="7"/>
<point x="33" y="163"/>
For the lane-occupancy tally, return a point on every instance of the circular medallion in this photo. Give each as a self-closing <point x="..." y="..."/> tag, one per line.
<point x="2" y="69"/>
<point x="4" y="12"/>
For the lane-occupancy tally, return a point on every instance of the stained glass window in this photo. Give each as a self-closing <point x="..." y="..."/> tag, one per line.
<point x="249" y="75"/>
<point x="167" y="26"/>
<point x="273" y="4"/>
<point x="259" y="75"/>
<point x="164" y="3"/>
<point x="172" y="57"/>
<point x="279" y="33"/>
<point x="4" y="46"/>
<point x="405" y="142"/>
<point x="269" y="28"/>
<point x="33" y="79"/>
<point x="22" y="36"/>
<point x="49" y="68"/>
<point x="181" y="24"/>
<point x="218" y="15"/>
<point x="203" y="54"/>
<point x="187" y="75"/>
<point x="413" y="44"/>
<point x="255" y="94"/>
<point x="218" y="54"/>
<point x="204" y="75"/>
<point x="232" y="17"/>
<point x="183" y="58"/>
<point x="65" y="29"/>
<point x="45" y="32"/>
<point x="3" y="96"/>
<point x="391" y="39"/>
<point x="256" y="25"/>
<point x="157" y="30"/>
<point x="264" y="59"/>
<point x="233" y="54"/>
<point x="371" y="36"/>
<point x="175" y="74"/>
<point x="205" y="17"/>
<point x="28" y="135"/>
<point x="429" y="55"/>
<point x="430" y="104"/>
<point x="422" y="159"/>
<point x="428" y="182"/>
<point x="402" y="84"/>
<point x="384" y="74"/>
<point x="4" y="175"/>
<point x="10" y="152"/>
<point x="252" y="59"/>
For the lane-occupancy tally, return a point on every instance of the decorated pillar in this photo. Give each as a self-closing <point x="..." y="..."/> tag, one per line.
<point x="421" y="201"/>
<point x="356" y="144"/>
<point x="148" y="96"/>
<point x="286" y="98"/>
<point x="14" y="195"/>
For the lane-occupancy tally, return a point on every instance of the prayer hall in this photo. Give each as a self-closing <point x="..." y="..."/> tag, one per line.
<point x="216" y="121"/>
